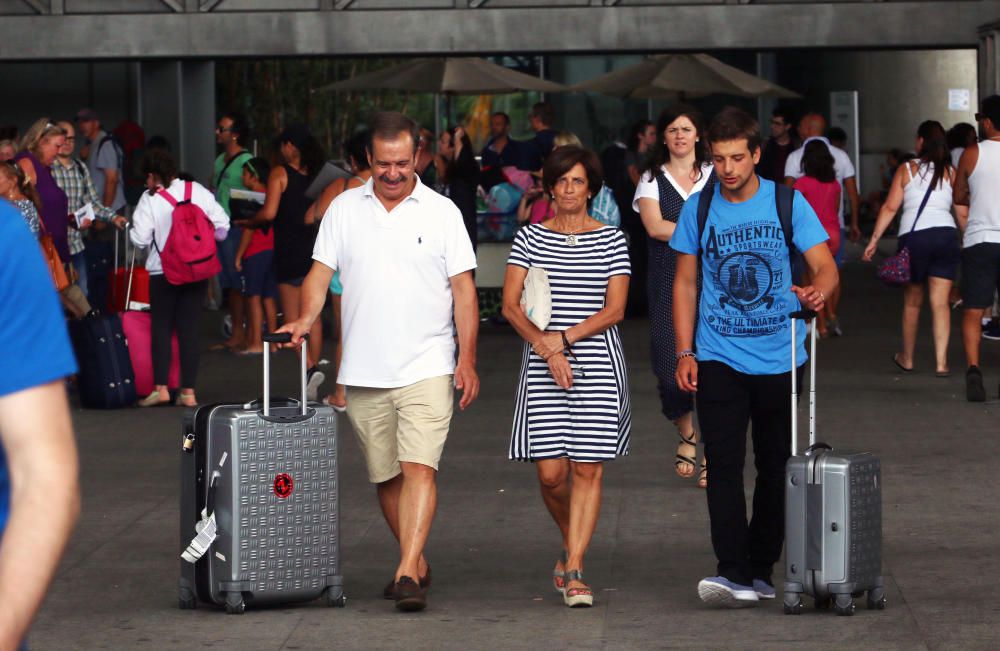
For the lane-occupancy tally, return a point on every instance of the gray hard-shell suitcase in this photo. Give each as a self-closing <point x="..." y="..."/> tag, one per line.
<point x="833" y="515"/>
<point x="267" y="471"/>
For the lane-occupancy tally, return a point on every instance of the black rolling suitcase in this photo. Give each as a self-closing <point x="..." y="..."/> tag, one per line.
<point x="106" y="379"/>
<point x="833" y="515"/>
<point x="260" y="502"/>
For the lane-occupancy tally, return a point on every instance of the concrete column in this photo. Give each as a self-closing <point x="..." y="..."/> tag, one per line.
<point x="767" y="68"/>
<point x="989" y="60"/>
<point x="177" y="101"/>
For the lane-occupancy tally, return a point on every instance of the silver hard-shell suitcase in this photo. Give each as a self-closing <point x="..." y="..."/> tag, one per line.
<point x="265" y="474"/>
<point x="833" y="515"/>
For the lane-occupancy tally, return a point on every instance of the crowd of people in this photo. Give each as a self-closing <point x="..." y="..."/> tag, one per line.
<point x="700" y="214"/>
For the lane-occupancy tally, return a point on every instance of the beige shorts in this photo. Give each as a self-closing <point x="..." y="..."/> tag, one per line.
<point x="404" y="424"/>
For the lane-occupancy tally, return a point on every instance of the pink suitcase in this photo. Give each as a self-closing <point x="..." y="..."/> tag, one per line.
<point x="138" y="328"/>
<point x="138" y="332"/>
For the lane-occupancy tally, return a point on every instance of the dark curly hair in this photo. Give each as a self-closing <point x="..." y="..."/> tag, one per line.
<point x="161" y="164"/>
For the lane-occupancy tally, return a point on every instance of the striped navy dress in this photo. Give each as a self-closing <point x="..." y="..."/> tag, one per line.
<point x="591" y="420"/>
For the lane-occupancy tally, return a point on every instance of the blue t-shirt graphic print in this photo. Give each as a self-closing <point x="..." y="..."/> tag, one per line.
<point x="746" y="278"/>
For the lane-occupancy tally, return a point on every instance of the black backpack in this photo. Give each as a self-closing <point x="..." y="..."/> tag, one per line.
<point x="784" y="197"/>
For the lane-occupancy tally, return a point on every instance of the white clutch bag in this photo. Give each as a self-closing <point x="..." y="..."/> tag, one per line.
<point x="536" y="299"/>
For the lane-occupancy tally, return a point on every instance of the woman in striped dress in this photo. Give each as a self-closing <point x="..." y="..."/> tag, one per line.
<point x="572" y="411"/>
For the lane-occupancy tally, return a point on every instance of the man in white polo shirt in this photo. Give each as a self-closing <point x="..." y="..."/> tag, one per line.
<point x="405" y="262"/>
<point x="812" y="126"/>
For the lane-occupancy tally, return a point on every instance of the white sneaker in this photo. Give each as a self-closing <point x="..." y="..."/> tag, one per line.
<point x="316" y="378"/>
<point x="721" y="592"/>
<point x="764" y="589"/>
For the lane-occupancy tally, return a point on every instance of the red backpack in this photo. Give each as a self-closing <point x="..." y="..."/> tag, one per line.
<point x="189" y="255"/>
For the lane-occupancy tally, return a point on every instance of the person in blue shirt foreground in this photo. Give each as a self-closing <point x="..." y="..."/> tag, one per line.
<point x="739" y="365"/>
<point x="39" y="496"/>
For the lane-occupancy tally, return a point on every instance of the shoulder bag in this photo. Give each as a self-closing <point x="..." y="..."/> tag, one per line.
<point x="895" y="270"/>
<point x="52" y="259"/>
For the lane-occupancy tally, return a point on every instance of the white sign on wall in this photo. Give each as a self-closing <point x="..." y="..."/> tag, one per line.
<point x="959" y="99"/>
<point x="844" y="114"/>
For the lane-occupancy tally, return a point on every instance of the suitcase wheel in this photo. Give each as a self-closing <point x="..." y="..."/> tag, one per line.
<point x="876" y="599"/>
<point x="793" y="603"/>
<point x="235" y="604"/>
<point x="335" y="597"/>
<point x="844" y="605"/>
<point x="189" y="603"/>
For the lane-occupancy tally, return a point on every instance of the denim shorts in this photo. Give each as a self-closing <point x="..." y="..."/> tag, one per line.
<point x="933" y="252"/>
<point x="980" y="275"/>
<point x="229" y="278"/>
<point x="258" y="275"/>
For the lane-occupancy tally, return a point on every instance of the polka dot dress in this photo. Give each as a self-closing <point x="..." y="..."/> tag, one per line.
<point x="662" y="270"/>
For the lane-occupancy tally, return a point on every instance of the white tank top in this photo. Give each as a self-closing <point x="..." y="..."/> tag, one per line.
<point x="984" y="197"/>
<point x="937" y="212"/>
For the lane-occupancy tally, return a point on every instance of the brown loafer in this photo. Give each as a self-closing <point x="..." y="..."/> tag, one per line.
<point x="409" y="596"/>
<point x="388" y="592"/>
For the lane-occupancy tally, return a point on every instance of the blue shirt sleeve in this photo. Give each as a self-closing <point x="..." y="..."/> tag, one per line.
<point x="807" y="230"/>
<point x="32" y="328"/>
<point x="685" y="238"/>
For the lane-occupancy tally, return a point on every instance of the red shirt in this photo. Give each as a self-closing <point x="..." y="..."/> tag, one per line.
<point x="260" y="242"/>
<point x="825" y="200"/>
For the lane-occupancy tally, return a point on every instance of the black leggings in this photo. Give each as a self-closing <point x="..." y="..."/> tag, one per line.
<point x="727" y="402"/>
<point x="176" y="308"/>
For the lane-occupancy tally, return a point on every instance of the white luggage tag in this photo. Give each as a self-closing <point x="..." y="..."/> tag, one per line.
<point x="206" y="529"/>
<point x="207" y="533"/>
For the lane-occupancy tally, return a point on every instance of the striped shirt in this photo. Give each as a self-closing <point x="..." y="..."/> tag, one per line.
<point x="591" y="420"/>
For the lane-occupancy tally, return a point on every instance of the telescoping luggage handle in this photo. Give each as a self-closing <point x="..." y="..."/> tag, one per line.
<point x="805" y="315"/>
<point x="282" y="338"/>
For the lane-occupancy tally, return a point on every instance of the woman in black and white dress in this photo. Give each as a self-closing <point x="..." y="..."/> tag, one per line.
<point x="572" y="411"/>
<point x="677" y="168"/>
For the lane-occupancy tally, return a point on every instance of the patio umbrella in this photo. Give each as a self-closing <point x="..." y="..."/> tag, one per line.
<point x="668" y="76"/>
<point x="450" y="75"/>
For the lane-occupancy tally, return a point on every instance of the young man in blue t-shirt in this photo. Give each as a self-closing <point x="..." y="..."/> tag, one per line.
<point x="742" y="368"/>
<point x="39" y="498"/>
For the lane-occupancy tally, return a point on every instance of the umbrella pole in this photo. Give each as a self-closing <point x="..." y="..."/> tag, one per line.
<point x="649" y="109"/>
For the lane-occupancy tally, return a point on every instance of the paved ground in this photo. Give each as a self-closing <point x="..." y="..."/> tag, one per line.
<point x="493" y="545"/>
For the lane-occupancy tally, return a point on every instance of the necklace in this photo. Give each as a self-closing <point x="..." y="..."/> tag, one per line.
<point x="571" y="237"/>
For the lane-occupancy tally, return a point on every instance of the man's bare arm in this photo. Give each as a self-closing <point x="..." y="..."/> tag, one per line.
<point x="966" y="164"/>
<point x="463" y="289"/>
<point x="110" y="186"/>
<point x="37" y="436"/>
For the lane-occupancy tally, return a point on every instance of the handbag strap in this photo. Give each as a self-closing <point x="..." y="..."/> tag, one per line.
<point x="923" y="204"/>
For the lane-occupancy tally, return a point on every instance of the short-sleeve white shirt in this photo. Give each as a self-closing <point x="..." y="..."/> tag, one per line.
<point x="395" y="267"/>
<point x="842" y="167"/>
<point x="648" y="188"/>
